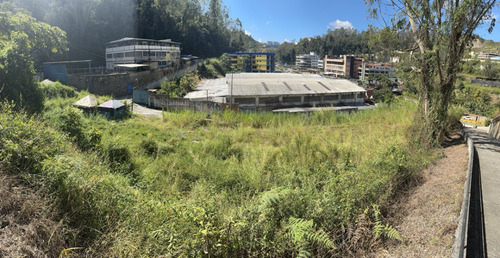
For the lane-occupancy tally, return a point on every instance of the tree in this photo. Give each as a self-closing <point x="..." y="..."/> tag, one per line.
<point x="442" y="30"/>
<point x="21" y="37"/>
<point x="490" y="69"/>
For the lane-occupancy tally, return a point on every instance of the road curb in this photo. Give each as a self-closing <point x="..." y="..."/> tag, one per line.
<point x="459" y="247"/>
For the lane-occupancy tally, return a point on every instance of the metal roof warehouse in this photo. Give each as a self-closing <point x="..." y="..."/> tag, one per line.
<point x="285" y="89"/>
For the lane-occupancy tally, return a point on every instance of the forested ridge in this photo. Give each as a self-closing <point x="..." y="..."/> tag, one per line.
<point x="204" y="27"/>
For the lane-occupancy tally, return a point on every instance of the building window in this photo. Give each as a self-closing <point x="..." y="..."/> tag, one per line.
<point x="118" y="55"/>
<point x="129" y="54"/>
<point x="109" y="56"/>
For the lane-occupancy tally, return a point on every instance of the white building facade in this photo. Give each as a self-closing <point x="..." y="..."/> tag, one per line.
<point x="142" y="52"/>
<point x="304" y="62"/>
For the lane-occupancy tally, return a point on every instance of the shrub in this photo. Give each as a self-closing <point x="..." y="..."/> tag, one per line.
<point x="150" y="146"/>
<point x="71" y="122"/>
<point x="25" y="142"/>
<point x="223" y="149"/>
<point x="120" y="159"/>
<point x="57" y="90"/>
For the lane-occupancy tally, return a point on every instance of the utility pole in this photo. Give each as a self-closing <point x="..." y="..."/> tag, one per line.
<point x="231" y="99"/>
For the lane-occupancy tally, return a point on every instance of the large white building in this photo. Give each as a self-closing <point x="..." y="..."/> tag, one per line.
<point x="135" y="52"/>
<point x="304" y="62"/>
<point x="371" y="68"/>
<point x="290" y="90"/>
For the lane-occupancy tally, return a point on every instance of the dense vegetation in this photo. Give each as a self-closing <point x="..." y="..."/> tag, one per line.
<point x="210" y="69"/>
<point x="335" y="42"/>
<point x="203" y="27"/>
<point x="23" y="40"/>
<point x="231" y="185"/>
<point x="373" y="44"/>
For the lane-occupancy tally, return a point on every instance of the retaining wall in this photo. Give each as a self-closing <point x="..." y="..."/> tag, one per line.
<point x="495" y="128"/>
<point x="164" y="102"/>
<point x="486" y="83"/>
<point x="121" y="84"/>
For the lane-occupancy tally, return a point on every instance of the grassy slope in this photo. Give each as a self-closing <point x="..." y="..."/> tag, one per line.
<point x="231" y="184"/>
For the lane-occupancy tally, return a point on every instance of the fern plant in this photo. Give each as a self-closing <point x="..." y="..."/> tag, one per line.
<point x="385" y="230"/>
<point x="304" y="235"/>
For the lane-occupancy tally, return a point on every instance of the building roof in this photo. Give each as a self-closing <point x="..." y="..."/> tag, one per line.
<point x="89" y="101"/>
<point x="68" y="62"/>
<point x="252" y="53"/>
<point x="150" y="40"/>
<point x="112" y="104"/>
<point x="278" y="84"/>
<point x="131" y="65"/>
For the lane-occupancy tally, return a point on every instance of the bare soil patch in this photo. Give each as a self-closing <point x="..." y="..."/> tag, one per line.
<point x="29" y="226"/>
<point x="427" y="216"/>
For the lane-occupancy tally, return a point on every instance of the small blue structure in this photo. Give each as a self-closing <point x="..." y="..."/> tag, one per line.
<point x="112" y="109"/>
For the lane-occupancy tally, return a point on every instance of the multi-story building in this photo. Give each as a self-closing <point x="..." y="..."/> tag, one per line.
<point x="344" y="66"/>
<point x="135" y="52"/>
<point x="253" y="62"/>
<point x="372" y="68"/>
<point x="356" y="68"/>
<point x="307" y="61"/>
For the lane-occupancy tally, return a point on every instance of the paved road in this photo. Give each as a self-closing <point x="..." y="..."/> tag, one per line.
<point x="488" y="150"/>
<point x="145" y="111"/>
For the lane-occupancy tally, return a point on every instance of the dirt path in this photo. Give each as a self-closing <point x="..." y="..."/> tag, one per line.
<point x="28" y="226"/>
<point x="427" y="217"/>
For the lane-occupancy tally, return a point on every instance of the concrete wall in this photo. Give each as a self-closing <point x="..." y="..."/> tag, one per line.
<point x="487" y="83"/>
<point x="156" y="83"/>
<point x="164" y="102"/>
<point x="141" y="97"/>
<point x="298" y="100"/>
<point x="495" y="128"/>
<point x="120" y="84"/>
<point x="110" y="84"/>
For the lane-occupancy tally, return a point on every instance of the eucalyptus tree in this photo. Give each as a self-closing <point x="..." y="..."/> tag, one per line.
<point x="442" y="31"/>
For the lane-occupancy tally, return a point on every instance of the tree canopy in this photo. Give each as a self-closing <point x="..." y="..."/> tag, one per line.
<point x="442" y="30"/>
<point x="203" y="27"/>
<point x="340" y="41"/>
<point x="22" y="40"/>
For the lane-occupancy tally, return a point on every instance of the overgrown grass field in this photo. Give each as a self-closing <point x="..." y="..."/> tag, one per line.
<point x="229" y="184"/>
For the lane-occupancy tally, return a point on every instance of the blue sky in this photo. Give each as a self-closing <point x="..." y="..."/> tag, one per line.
<point x="281" y="20"/>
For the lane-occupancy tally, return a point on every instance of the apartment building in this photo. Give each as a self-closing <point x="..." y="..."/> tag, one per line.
<point x="343" y="66"/>
<point x="253" y="62"/>
<point x="307" y="61"/>
<point x="372" y="68"/>
<point x="356" y="68"/>
<point x="136" y="52"/>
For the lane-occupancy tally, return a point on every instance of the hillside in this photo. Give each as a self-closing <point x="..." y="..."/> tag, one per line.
<point x="484" y="45"/>
<point x="229" y="184"/>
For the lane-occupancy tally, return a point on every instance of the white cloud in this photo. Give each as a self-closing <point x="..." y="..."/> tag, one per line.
<point x="268" y="22"/>
<point x="286" y="40"/>
<point x="260" y="40"/>
<point x="340" y="24"/>
<point x="248" y="33"/>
